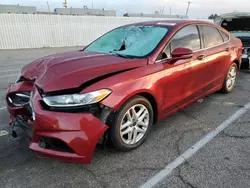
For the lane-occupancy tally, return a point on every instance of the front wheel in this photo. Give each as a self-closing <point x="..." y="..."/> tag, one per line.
<point x="230" y="80"/>
<point x="132" y="124"/>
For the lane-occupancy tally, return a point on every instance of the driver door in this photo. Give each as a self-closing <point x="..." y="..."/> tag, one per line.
<point x="184" y="79"/>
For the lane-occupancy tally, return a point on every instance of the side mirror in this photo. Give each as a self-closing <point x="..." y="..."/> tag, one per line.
<point x="182" y="53"/>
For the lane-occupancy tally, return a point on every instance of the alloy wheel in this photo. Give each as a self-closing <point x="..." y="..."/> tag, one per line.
<point x="134" y="124"/>
<point x="231" y="78"/>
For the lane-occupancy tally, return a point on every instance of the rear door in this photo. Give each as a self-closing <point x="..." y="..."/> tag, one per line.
<point x="217" y="52"/>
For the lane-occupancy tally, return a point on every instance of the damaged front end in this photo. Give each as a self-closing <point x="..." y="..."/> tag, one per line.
<point x="18" y="102"/>
<point x="68" y="134"/>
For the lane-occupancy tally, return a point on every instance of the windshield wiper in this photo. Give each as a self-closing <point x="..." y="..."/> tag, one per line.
<point x="121" y="55"/>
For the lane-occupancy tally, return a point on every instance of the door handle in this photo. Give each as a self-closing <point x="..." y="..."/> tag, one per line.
<point x="201" y="57"/>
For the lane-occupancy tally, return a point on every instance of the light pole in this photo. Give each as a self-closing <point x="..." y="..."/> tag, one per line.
<point x="48" y="6"/>
<point x="188" y="7"/>
<point x="65" y="4"/>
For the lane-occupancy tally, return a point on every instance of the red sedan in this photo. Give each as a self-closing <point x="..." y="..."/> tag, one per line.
<point x="119" y="85"/>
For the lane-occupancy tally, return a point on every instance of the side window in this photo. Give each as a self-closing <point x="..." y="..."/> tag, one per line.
<point x="187" y="37"/>
<point x="225" y="36"/>
<point x="212" y="36"/>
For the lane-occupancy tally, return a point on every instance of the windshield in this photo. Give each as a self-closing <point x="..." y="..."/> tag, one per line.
<point x="129" y="41"/>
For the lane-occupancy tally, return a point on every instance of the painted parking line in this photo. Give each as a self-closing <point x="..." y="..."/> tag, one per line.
<point x="9" y="75"/>
<point x="3" y="108"/>
<point x="3" y="133"/>
<point x="193" y="149"/>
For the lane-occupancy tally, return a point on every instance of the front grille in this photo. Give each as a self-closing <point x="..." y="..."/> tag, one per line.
<point x="246" y="43"/>
<point x="19" y="99"/>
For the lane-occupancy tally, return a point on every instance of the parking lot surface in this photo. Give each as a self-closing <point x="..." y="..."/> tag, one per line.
<point x="223" y="162"/>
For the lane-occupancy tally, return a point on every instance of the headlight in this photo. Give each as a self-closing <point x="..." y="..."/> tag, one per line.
<point x="76" y="99"/>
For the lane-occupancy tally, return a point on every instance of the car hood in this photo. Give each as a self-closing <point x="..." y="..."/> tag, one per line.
<point x="235" y="22"/>
<point x="72" y="69"/>
<point x="235" y="15"/>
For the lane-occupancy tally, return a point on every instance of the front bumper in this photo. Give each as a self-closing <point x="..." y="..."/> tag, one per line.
<point x="79" y="132"/>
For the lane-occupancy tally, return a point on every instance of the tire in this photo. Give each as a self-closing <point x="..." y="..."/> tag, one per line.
<point x="126" y="121"/>
<point x="230" y="80"/>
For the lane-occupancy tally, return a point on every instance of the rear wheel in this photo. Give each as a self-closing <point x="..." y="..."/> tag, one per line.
<point x="132" y="124"/>
<point x="230" y="80"/>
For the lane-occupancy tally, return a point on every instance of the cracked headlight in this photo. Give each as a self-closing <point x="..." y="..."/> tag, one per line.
<point x="76" y="99"/>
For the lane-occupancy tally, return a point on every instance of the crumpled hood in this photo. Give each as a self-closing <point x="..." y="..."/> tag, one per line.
<point x="72" y="69"/>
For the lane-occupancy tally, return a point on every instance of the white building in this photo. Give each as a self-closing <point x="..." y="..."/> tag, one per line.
<point x="84" y="11"/>
<point x="17" y="9"/>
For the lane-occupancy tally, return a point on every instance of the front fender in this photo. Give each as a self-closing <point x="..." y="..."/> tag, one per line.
<point x="116" y="100"/>
<point x="148" y="79"/>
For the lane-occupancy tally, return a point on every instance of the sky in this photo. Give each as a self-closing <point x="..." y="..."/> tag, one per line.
<point x="198" y="8"/>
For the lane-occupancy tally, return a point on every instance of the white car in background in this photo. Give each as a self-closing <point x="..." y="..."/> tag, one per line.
<point x="238" y="24"/>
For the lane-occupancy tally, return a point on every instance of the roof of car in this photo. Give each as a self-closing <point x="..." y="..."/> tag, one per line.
<point x="179" y="22"/>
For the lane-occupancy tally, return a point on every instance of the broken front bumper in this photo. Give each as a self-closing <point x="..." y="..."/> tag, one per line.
<point x="70" y="137"/>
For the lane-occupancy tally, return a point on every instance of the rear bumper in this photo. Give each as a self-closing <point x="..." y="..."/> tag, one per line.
<point x="79" y="132"/>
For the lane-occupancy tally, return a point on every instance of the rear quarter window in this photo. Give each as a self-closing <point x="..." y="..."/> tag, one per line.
<point x="212" y="36"/>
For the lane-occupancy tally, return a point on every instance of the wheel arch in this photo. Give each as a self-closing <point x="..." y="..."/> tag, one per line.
<point x="152" y="101"/>
<point x="237" y="62"/>
<point x="146" y="94"/>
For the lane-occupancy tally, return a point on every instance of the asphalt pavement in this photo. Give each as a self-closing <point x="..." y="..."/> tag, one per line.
<point x="223" y="163"/>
